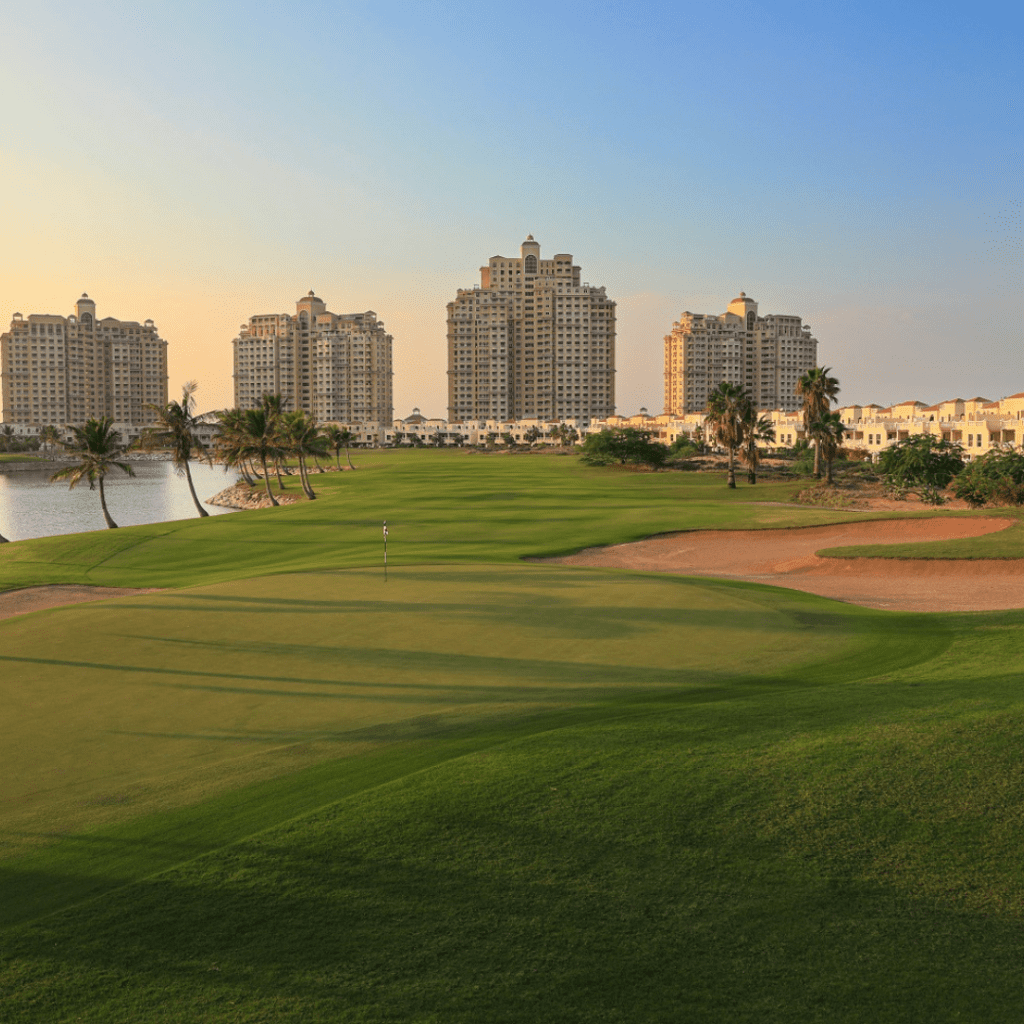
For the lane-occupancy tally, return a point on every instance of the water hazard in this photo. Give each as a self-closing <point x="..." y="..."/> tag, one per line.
<point x="30" y="506"/>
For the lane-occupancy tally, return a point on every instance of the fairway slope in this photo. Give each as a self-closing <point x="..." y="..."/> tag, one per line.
<point x="148" y="704"/>
<point x="788" y="847"/>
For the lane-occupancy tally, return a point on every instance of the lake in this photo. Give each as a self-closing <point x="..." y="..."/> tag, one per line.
<point x="30" y="506"/>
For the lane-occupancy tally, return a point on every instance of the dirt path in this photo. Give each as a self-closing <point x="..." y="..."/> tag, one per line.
<point x="786" y="558"/>
<point x="34" y="599"/>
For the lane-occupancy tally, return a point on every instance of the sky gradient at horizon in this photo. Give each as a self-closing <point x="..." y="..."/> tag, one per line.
<point x="199" y="163"/>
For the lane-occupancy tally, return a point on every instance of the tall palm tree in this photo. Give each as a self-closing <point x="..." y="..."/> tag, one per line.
<point x="177" y="431"/>
<point x="249" y="435"/>
<point x="756" y="429"/>
<point x="98" y="448"/>
<point x="725" y="416"/>
<point x="828" y="432"/>
<point x="229" y="444"/>
<point x="818" y="391"/>
<point x="332" y="435"/>
<point x="348" y="439"/>
<point x="301" y="437"/>
<point x="273" y="406"/>
<point x="51" y="438"/>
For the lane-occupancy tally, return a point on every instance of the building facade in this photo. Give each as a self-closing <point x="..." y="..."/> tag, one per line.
<point x="976" y="424"/>
<point x="766" y="356"/>
<point x="336" y="367"/>
<point x="532" y="341"/>
<point x="61" y="371"/>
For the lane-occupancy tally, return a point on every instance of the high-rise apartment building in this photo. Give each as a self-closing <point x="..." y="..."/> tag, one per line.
<point x="764" y="355"/>
<point x="531" y="341"/>
<point x="59" y="370"/>
<point x="336" y="367"/>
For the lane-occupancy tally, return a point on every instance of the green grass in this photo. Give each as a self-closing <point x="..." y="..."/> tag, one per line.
<point x="1008" y="543"/>
<point x="18" y="457"/>
<point x="441" y="507"/>
<point x="489" y="791"/>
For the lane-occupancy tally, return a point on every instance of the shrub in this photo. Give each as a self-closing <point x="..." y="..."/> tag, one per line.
<point x="923" y="463"/>
<point x="683" y="448"/>
<point x="624" y="445"/>
<point x="995" y="478"/>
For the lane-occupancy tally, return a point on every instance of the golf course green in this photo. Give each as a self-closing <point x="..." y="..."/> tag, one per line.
<point x="287" y="788"/>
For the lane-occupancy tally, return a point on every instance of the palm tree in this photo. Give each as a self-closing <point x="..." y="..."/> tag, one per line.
<point x="755" y="429"/>
<point x="98" y="448"/>
<point x="50" y="437"/>
<point x="253" y="434"/>
<point x="301" y="436"/>
<point x="818" y="391"/>
<point x="273" y="406"/>
<point x="6" y="433"/>
<point x="338" y="438"/>
<point x="725" y="416"/>
<point x="229" y="444"/>
<point x="177" y="431"/>
<point x="828" y="432"/>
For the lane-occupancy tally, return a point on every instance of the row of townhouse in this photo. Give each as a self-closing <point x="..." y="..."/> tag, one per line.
<point x="977" y="424"/>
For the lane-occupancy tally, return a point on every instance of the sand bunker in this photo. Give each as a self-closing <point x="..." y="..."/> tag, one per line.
<point x="786" y="558"/>
<point x="34" y="599"/>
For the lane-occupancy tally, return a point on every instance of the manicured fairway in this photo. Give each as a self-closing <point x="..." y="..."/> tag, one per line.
<point x="168" y="699"/>
<point x="490" y="791"/>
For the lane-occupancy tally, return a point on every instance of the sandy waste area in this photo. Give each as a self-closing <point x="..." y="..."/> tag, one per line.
<point x="786" y="558"/>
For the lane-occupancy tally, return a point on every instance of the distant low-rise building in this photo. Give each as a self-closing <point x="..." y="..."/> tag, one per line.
<point x="977" y="424"/>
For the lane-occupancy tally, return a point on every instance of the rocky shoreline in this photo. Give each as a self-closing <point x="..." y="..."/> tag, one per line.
<point x="246" y="496"/>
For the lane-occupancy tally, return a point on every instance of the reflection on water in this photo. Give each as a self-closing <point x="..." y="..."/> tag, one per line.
<point x="30" y="506"/>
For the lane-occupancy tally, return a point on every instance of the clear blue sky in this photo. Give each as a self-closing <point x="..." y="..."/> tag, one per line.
<point x="856" y="164"/>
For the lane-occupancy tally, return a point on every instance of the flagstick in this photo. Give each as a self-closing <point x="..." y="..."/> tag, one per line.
<point x="385" y="551"/>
